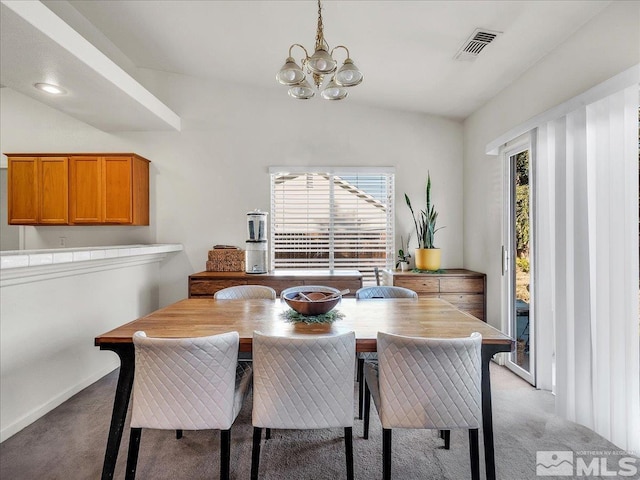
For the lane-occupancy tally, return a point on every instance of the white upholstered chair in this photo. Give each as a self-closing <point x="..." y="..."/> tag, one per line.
<point x="385" y="291"/>
<point x="187" y="383"/>
<point x="379" y="291"/>
<point x="303" y="383"/>
<point x="428" y="384"/>
<point x="246" y="292"/>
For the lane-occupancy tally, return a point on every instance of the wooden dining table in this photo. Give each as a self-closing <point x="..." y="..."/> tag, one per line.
<point x="422" y="317"/>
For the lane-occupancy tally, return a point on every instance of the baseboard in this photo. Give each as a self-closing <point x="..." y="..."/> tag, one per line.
<point x="501" y="358"/>
<point x="39" y="412"/>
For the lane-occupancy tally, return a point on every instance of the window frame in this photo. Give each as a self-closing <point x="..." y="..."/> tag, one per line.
<point x="366" y="267"/>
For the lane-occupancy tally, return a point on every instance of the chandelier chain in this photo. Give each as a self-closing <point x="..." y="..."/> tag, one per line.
<point x="320" y="42"/>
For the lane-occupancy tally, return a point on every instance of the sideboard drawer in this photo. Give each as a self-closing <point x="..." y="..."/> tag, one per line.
<point x="340" y="284"/>
<point x="419" y="284"/>
<point x="464" y="285"/>
<point x="476" y="300"/>
<point x="464" y="289"/>
<point x="209" y="287"/>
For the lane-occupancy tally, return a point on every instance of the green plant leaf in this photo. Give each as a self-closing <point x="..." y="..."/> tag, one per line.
<point x="425" y="224"/>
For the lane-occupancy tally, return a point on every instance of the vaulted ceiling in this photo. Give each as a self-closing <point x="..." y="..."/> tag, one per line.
<point x="405" y="49"/>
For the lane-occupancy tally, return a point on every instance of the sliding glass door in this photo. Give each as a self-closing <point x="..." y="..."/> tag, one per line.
<point x="518" y="271"/>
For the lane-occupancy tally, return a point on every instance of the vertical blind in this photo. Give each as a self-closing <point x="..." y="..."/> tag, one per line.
<point x="332" y="219"/>
<point x="588" y="293"/>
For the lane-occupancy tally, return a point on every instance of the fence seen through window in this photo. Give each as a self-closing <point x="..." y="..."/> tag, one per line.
<point x="336" y="220"/>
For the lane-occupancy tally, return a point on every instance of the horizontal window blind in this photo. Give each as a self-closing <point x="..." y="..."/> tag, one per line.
<point x="337" y="220"/>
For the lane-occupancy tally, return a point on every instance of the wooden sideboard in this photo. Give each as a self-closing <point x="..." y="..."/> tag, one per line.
<point x="205" y="284"/>
<point x="464" y="289"/>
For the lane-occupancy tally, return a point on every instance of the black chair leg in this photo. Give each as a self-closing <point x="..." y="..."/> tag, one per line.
<point x="360" y="386"/>
<point x="367" y="410"/>
<point x="178" y="434"/>
<point x="474" y="450"/>
<point x="132" y="457"/>
<point x="386" y="454"/>
<point x="225" y="453"/>
<point x="447" y="439"/>
<point x="268" y="434"/>
<point x="348" y="449"/>
<point x="255" y="453"/>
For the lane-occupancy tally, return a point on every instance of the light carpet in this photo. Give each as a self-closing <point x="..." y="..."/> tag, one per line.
<point x="69" y="442"/>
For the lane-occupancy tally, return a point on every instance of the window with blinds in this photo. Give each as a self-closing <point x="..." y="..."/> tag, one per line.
<point x="332" y="219"/>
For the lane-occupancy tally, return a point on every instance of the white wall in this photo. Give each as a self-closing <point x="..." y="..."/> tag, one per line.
<point x="47" y="331"/>
<point x="605" y="46"/>
<point x="9" y="234"/>
<point x="205" y="178"/>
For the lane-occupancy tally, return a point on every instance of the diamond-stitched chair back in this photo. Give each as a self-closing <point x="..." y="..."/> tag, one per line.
<point x="303" y="382"/>
<point x="245" y="291"/>
<point x="187" y="383"/>
<point x="429" y="383"/>
<point x="385" y="292"/>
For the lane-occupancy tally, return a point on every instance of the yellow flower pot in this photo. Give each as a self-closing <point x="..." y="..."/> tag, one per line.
<point x="427" y="258"/>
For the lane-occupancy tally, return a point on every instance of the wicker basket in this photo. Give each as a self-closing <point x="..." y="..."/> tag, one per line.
<point x="226" y="260"/>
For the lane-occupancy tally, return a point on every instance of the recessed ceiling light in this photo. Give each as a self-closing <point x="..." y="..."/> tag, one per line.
<point x="49" y="88"/>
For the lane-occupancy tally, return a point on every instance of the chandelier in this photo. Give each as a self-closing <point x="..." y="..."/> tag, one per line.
<point x="319" y="65"/>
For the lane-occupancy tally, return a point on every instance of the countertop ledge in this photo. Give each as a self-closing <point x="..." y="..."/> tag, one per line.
<point x="20" y="259"/>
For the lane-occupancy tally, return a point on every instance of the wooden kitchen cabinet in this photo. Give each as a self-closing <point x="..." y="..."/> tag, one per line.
<point x="464" y="289"/>
<point x="86" y="189"/>
<point x="109" y="189"/>
<point x="205" y="284"/>
<point x="78" y="189"/>
<point x="38" y="190"/>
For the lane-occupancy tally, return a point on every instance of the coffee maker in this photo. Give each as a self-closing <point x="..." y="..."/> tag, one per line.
<point x="256" y="245"/>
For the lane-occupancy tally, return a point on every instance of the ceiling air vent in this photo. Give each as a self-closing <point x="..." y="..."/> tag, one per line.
<point x="472" y="47"/>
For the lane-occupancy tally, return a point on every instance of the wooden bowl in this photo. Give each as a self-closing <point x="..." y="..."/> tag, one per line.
<point x="317" y="305"/>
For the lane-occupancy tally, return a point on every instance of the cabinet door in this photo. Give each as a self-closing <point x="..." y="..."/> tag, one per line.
<point x="53" y="190"/>
<point x="86" y="204"/>
<point x="118" y="190"/>
<point x="140" y="191"/>
<point x="22" y="188"/>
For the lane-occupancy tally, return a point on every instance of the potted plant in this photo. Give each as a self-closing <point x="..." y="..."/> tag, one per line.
<point x="427" y="255"/>
<point x="403" y="255"/>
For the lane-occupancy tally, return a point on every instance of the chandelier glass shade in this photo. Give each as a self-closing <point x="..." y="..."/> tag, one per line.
<point x="333" y="91"/>
<point x="321" y="62"/>
<point x="290" y="73"/>
<point x="319" y="66"/>
<point x="302" y="91"/>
